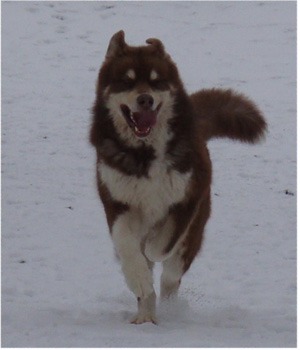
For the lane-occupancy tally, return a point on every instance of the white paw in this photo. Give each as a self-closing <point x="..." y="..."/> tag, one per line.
<point x="140" y="318"/>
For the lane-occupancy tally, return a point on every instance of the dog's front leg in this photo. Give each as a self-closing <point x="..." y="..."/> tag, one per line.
<point x="127" y="236"/>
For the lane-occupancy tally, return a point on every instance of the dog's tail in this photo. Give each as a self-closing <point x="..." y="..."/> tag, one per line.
<point x="224" y="113"/>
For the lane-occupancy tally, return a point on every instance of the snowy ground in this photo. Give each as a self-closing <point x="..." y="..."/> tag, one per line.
<point x="61" y="286"/>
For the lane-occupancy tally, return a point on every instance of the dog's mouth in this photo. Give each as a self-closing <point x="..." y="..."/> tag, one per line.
<point x="140" y="122"/>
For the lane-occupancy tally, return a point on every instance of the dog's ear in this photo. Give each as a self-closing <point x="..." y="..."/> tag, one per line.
<point x="157" y="45"/>
<point x="116" y="45"/>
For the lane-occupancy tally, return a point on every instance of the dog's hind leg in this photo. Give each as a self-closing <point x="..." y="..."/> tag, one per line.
<point x="173" y="269"/>
<point x="126" y="234"/>
<point x="176" y="265"/>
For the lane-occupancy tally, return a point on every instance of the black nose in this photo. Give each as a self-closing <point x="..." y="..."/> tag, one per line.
<point x="145" y="101"/>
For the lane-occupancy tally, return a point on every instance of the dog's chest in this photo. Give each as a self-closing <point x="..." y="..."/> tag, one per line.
<point x="153" y="194"/>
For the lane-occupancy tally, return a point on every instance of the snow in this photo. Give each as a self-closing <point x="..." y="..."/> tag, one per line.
<point x="61" y="284"/>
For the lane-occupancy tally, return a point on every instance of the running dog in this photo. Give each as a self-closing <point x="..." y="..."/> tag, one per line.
<point x="153" y="167"/>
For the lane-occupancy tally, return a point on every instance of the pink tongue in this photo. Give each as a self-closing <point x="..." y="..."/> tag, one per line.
<point x="145" y="119"/>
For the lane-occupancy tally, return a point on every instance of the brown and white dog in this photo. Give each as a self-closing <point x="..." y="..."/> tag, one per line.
<point x="153" y="166"/>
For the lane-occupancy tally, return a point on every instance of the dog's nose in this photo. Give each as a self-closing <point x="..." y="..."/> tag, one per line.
<point x="145" y="101"/>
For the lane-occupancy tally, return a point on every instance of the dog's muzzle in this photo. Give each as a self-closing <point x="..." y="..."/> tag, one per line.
<point x="143" y="120"/>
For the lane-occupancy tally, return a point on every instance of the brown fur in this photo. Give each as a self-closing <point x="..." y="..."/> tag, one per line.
<point x="206" y="114"/>
<point x="223" y="113"/>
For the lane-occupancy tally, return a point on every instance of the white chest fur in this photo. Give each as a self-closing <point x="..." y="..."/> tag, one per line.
<point x="152" y="195"/>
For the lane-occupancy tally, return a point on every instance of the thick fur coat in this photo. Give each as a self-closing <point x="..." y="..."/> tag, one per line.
<point x="153" y="167"/>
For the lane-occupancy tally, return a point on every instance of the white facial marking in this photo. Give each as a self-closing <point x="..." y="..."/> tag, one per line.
<point x="153" y="75"/>
<point x="130" y="74"/>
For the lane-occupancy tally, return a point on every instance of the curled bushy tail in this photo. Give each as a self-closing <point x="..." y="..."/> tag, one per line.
<point x="224" y="113"/>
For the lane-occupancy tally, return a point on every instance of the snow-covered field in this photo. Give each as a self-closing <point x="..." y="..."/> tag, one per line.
<point x="61" y="285"/>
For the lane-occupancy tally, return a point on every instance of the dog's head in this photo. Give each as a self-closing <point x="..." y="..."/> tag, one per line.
<point x="138" y="85"/>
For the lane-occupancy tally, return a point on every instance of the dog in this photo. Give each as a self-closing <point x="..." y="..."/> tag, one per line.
<point x="153" y="166"/>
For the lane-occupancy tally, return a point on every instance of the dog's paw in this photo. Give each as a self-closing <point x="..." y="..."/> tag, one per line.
<point x="140" y="318"/>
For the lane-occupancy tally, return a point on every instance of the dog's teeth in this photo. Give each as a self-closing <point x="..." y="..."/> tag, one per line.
<point x="140" y="132"/>
<point x="131" y="117"/>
